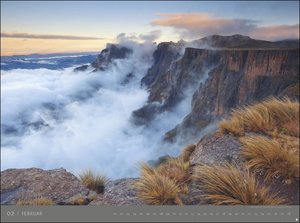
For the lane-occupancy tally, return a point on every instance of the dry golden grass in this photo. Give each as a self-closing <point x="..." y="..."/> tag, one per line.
<point x="36" y="201"/>
<point x="176" y="169"/>
<point x="278" y="157"/>
<point x="79" y="200"/>
<point x="264" y="117"/>
<point x="95" y="182"/>
<point x="186" y="152"/>
<point x="156" y="189"/>
<point x="226" y="185"/>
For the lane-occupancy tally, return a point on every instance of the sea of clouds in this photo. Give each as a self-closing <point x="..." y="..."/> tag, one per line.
<point x="82" y="120"/>
<point x="53" y="117"/>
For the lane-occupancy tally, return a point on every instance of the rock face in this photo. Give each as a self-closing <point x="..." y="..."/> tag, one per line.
<point x="118" y="192"/>
<point x="243" y="71"/>
<point x="215" y="149"/>
<point x="25" y="184"/>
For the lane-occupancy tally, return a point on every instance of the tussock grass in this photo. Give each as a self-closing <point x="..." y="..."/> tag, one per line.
<point x="264" y="117"/>
<point x="278" y="157"/>
<point x="156" y="189"/>
<point x="186" y="152"/>
<point x="161" y="185"/>
<point x="37" y="201"/>
<point x="79" y="200"/>
<point x="226" y="185"/>
<point x="95" y="182"/>
<point x="175" y="169"/>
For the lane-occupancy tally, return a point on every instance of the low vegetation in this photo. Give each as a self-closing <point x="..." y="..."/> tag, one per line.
<point x="276" y="158"/>
<point x="269" y="133"/>
<point x="95" y="182"/>
<point x="281" y="115"/>
<point x="156" y="189"/>
<point x="226" y="185"/>
<point x="36" y="201"/>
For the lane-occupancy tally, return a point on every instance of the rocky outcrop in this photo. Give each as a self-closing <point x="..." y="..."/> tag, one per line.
<point x="111" y="52"/>
<point x="62" y="188"/>
<point x="118" y="192"/>
<point x="240" y="72"/>
<point x="57" y="185"/>
<point x="106" y="57"/>
<point x="216" y="149"/>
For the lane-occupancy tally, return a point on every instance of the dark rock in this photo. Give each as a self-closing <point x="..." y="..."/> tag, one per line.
<point x="111" y="52"/>
<point x="160" y="160"/>
<point x="26" y="184"/>
<point x="81" y="68"/>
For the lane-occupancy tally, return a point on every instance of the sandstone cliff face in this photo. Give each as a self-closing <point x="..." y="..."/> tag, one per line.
<point x="242" y="77"/>
<point x="220" y="79"/>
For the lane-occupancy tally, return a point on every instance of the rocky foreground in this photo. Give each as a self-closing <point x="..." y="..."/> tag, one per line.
<point x="63" y="188"/>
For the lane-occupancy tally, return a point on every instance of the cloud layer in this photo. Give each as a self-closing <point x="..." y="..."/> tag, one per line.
<point x="41" y="36"/>
<point x="196" y="25"/>
<point x="82" y="120"/>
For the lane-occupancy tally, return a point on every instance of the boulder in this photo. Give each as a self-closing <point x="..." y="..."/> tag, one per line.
<point x="118" y="192"/>
<point x="57" y="185"/>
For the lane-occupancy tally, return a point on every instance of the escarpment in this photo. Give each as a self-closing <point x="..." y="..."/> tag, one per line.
<point x="219" y="79"/>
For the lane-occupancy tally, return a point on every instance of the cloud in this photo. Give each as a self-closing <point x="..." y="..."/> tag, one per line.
<point x="195" y="25"/>
<point x="42" y="36"/>
<point x="151" y="36"/>
<point x="278" y="32"/>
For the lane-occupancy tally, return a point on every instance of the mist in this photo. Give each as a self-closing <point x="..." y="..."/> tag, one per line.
<point x="82" y="120"/>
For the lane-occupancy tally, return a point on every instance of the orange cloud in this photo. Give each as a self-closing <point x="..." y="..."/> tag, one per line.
<point x="17" y="46"/>
<point x="196" y="25"/>
<point x="46" y="36"/>
<point x="190" y="20"/>
<point x="277" y="32"/>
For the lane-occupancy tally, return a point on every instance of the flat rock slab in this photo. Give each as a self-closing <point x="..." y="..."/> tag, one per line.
<point x="216" y="149"/>
<point x="118" y="192"/>
<point x="26" y="184"/>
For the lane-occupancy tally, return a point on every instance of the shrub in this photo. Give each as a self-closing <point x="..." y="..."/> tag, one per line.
<point x="226" y="185"/>
<point x="95" y="182"/>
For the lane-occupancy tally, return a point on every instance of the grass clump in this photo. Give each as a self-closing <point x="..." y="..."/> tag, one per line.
<point x="278" y="157"/>
<point x="156" y="189"/>
<point x="175" y="169"/>
<point x="272" y="114"/>
<point x="95" y="182"/>
<point x="226" y="185"/>
<point x="162" y="184"/>
<point x="37" y="201"/>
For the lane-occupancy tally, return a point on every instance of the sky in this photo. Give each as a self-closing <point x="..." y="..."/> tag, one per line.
<point x="75" y="26"/>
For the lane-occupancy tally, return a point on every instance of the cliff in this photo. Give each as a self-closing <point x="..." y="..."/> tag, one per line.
<point x="219" y="79"/>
